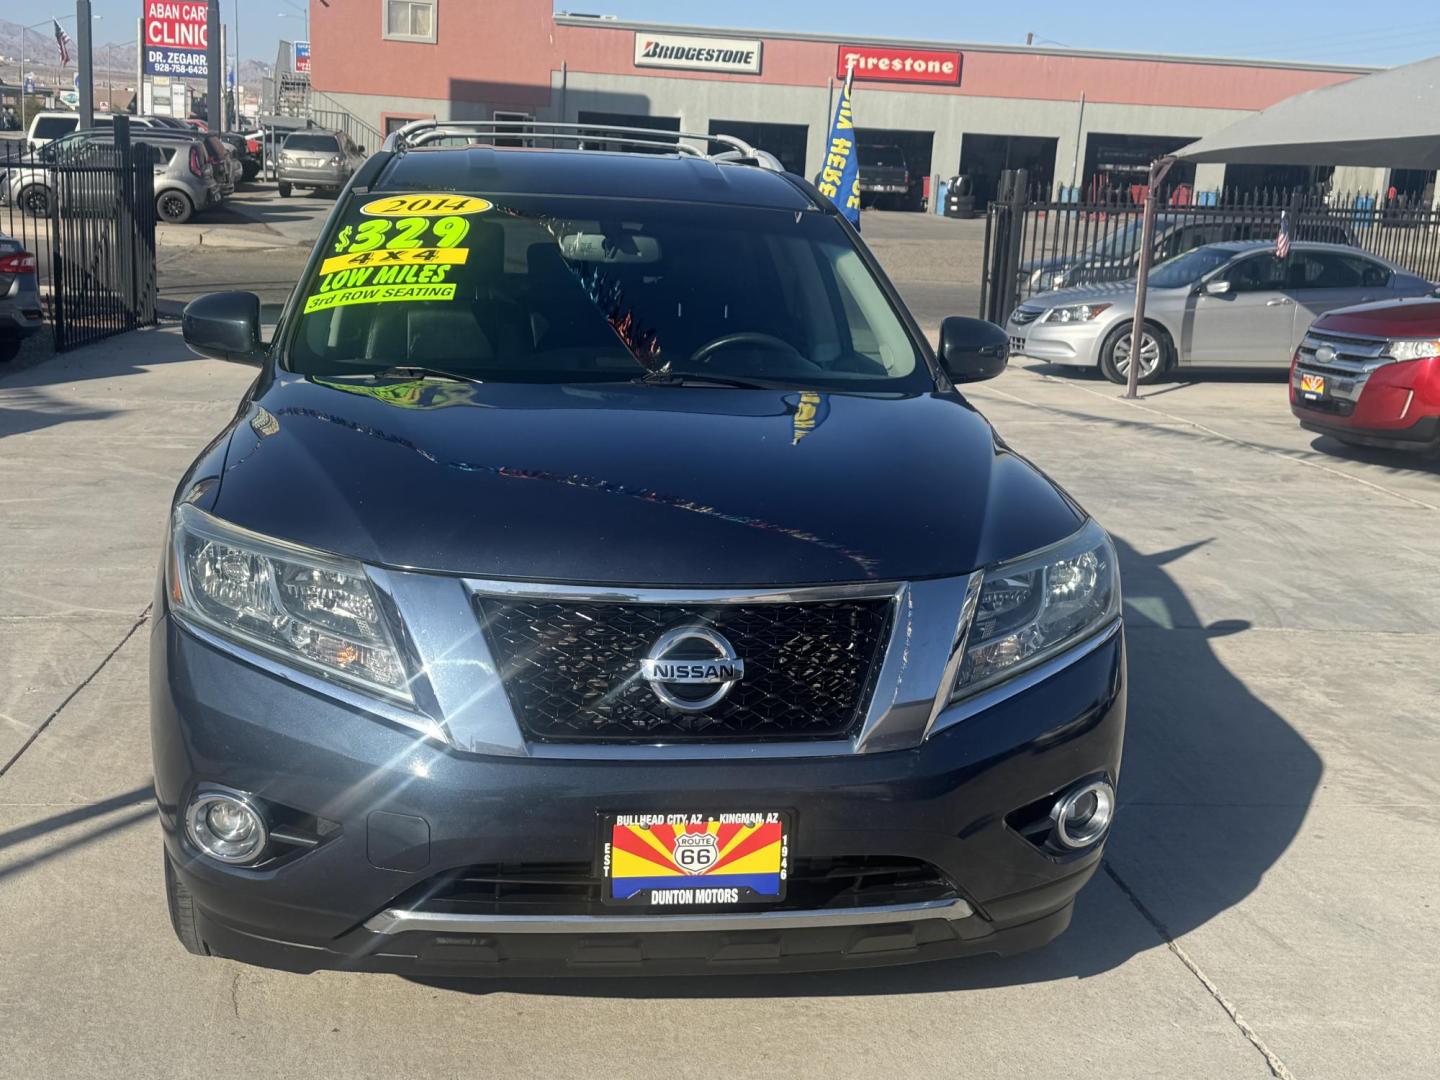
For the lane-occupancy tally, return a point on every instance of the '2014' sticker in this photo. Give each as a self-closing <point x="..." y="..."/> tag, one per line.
<point x="425" y="205"/>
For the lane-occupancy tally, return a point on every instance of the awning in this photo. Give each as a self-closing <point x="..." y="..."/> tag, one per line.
<point x="1389" y="119"/>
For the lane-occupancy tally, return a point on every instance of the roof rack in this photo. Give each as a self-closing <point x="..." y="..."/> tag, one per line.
<point x="535" y="132"/>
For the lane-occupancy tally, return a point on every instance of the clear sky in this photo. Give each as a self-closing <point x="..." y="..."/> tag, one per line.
<point x="1334" y="31"/>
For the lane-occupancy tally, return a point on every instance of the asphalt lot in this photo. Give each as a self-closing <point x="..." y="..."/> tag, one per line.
<point x="1267" y="903"/>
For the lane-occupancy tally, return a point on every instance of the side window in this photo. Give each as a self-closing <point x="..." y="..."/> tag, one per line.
<point x="1341" y="270"/>
<point x="1258" y="273"/>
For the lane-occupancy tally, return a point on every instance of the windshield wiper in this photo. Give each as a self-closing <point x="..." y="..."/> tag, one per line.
<point x="680" y="378"/>
<point x="409" y="371"/>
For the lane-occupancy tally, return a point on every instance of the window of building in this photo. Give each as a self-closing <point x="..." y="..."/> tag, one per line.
<point x="410" y="20"/>
<point x="514" y="136"/>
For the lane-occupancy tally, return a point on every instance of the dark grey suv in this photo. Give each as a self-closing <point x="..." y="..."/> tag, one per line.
<point x="604" y="575"/>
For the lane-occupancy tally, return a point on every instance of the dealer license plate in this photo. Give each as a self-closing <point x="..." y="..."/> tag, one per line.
<point x="678" y="861"/>
<point x="1312" y="386"/>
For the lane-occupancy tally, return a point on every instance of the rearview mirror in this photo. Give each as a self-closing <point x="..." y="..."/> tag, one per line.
<point x="224" y="325"/>
<point x="972" y="350"/>
<point x="1216" y="287"/>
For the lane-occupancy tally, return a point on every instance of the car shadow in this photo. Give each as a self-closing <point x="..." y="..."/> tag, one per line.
<point x="1215" y="787"/>
<point x="1401" y="461"/>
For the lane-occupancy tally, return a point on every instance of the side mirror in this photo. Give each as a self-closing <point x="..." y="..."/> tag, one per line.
<point x="361" y="149"/>
<point x="972" y="350"/>
<point x="224" y="325"/>
<point x="1216" y="287"/>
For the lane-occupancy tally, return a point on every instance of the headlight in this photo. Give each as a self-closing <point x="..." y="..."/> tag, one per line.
<point x="311" y="609"/>
<point x="1413" y="348"/>
<point x="1075" y="313"/>
<point x="1038" y="605"/>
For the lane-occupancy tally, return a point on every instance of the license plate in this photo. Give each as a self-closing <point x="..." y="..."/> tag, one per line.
<point x="678" y="861"/>
<point x="1312" y="386"/>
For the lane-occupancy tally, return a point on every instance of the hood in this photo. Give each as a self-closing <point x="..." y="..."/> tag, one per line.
<point x="1415" y="317"/>
<point x="1109" y="292"/>
<point x="635" y="485"/>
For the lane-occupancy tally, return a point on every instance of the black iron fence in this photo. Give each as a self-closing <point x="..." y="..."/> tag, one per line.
<point x="1035" y="243"/>
<point x="88" y="215"/>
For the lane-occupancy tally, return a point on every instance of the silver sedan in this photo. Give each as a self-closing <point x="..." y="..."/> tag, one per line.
<point x="1221" y="305"/>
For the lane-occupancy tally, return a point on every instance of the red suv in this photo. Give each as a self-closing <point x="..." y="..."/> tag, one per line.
<point x="1370" y="375"/>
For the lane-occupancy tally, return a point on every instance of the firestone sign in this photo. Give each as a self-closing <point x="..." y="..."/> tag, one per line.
<point x="733" y="55"/>
<point x="878" y="63"/>
<point x="175" y="39"/>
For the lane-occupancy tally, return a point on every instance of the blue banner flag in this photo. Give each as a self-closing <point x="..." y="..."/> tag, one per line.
<point x="840" y="174"/>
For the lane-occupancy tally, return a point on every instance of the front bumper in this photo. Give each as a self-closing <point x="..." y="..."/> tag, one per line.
<point x="1074" y="344"/>
<point x="1392" y="406"/>
<point x="216" y="719"/>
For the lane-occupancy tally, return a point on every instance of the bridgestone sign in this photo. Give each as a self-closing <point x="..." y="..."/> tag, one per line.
<point x="733" y="55"/>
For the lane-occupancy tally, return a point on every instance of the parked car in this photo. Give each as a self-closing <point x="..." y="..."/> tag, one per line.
<point x="618" y="581"/>
<point x="246" y="152"/>
<point x="184" y="178"/>
<point x="321" y="160"/>
<point x="1370" y="375"/>
<point x="882" y="172"/>
<point x="21" y="312"/>
<point x="1226" y="305"/>
<point x="1116" y="256"/>
<point x="45" y="127"/>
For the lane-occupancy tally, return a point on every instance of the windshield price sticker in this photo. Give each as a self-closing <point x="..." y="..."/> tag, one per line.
<point x="428" y="256"/>
<point x="446" y="232"/>
<point x="379" y="294"/>
<point x="432" y="205"/>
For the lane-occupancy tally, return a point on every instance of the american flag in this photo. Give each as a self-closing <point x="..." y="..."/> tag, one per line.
<point x="1282" y="241"/>
<point x="62" y="39"/>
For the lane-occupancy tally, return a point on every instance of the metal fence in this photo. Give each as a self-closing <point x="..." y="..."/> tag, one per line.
<point x="89" y="218"/>
<point x="1035" y="242"/>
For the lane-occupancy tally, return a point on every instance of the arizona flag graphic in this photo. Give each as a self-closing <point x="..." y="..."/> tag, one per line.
<point x="715" y="861"/>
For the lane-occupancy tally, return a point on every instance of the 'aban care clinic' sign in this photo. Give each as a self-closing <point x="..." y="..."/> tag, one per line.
<point x="175" y="39"/>
<point x="878" y="63"/>
<point x="734" y="55"/>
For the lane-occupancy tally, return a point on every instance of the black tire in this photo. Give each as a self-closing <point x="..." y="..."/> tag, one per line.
<point x="1118" y="370"/>
<point x="9" y="347"/>
<point x="182" y="912"/>
<point x="34" y="200"/>
<point x="174" y="207"/>
<point x="284" y="190"/>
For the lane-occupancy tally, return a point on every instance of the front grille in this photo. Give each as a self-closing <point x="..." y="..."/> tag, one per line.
<point x="1025" y="316"/>
<point x="574" y="888"/>
<point x="572" y="670"/>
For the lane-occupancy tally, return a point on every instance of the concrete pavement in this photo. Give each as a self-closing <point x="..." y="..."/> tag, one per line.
<point x="1266" y="907"/>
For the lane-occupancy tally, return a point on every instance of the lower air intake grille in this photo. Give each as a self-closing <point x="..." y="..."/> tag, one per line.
<point x="572" y="670"/>
<point x="574" y="889"/>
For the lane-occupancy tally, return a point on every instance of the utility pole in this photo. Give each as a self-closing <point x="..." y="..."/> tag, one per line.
<point x="215" y="84"/>
<point x="85" y="62"/>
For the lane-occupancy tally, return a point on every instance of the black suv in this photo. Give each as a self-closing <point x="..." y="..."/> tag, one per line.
<point x="604" y="575"/>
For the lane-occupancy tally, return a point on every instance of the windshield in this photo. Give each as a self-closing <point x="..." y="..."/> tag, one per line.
<point x="323" y="143"/>
<point x="1189" y="268"/>
<point x="581" y="290"/>
<point x="884" y="157"/>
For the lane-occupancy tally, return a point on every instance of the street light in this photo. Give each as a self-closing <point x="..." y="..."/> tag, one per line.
<point x="304" y="13"/>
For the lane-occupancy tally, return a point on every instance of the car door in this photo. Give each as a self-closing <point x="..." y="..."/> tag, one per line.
<point x="1247" y="326"/>
<point x="1321" y="281"/>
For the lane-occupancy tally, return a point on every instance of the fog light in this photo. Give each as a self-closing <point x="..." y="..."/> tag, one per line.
<point x="1082" y="814"/>
<point x="226" y="826"/>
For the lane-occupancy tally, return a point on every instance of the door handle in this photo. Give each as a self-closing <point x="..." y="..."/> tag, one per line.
<point x="1277" y="301"/>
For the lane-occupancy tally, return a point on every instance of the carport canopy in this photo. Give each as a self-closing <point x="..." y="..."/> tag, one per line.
<point x="1388" y="119"/>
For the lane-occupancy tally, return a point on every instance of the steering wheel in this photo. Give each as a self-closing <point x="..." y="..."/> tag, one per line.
<point x="750" y="337"/>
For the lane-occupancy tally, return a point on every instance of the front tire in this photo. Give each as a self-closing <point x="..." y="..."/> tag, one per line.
<point x="174" y="207"/>
<point x="182" y="911"/>
<point x="1155" y="354"/>
<point x="285" y="190"/>
<point x="35" y="201"/>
